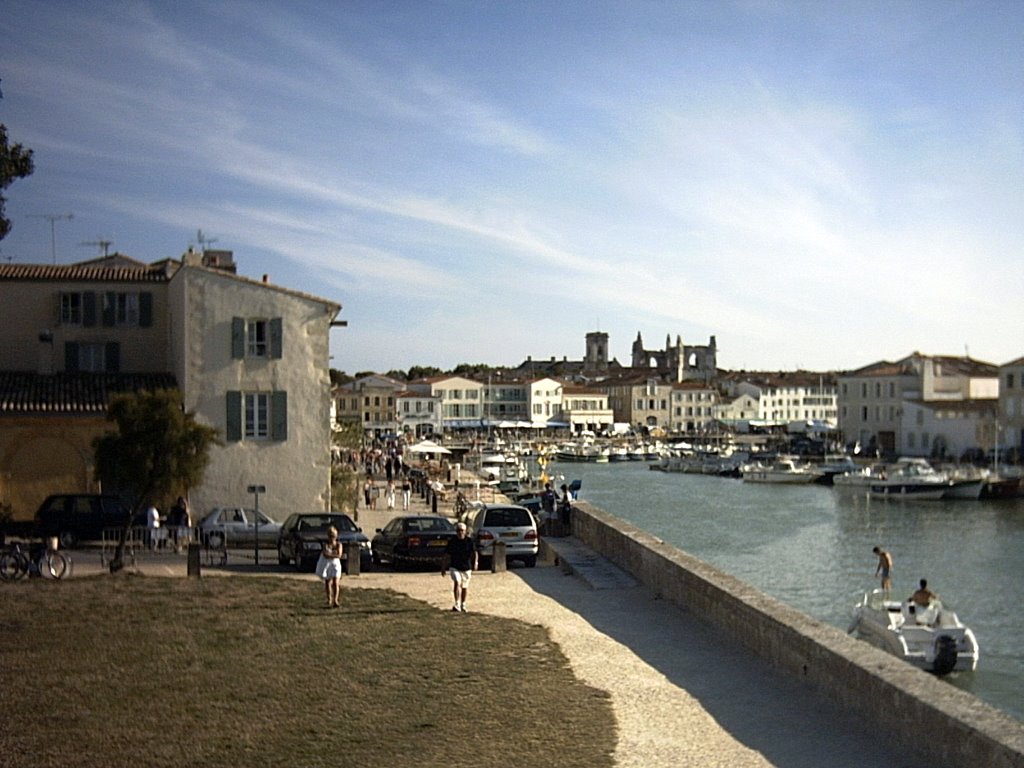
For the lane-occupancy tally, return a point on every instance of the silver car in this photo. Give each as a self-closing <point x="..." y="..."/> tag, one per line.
<point x="235" y="527"/>
<point x="511" y="524"/>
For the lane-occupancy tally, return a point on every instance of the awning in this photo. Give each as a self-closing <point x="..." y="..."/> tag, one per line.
<point x="427" y="446"/>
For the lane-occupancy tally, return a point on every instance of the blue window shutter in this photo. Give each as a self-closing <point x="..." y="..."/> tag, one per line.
<point x="279" y="416"/>
<point x="238" y="337"/>
<point x="112" y="357"/>
<point x="276" y="337"/>
<point x="233" y="429"/>
<point x="88" y="309"/>
<point x="146" y="309"/>
<point x="109" y="308"/>
<point x="71" y="357"/>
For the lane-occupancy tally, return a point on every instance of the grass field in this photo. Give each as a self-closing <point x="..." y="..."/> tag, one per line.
<point x="243" y="671"/>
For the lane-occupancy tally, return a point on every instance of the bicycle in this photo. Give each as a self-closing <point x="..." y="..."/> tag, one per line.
<point x="38" y="561"/>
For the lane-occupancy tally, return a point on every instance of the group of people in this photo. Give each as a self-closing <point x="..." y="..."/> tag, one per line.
<point x="371" y="492"/>
<point x="178" y="522"/>
<point x="923" y="596"/>
<point x="461" y="559"/>
<point x="555" y="521"/>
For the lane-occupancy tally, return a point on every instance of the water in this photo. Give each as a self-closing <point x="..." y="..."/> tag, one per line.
<point x="810" y="547"/>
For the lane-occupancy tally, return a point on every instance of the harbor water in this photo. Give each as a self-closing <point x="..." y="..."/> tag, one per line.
<point x="810" y="547"/>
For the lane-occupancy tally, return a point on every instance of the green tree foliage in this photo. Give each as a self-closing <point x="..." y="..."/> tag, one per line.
<point x="422" y="372"/>
<point x="344" y="478"/>
<point x="157" y="452"/>
<point x="15" y="163"/>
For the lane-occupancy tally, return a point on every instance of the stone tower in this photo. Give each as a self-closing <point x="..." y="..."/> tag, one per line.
<point x="596" y="360"/>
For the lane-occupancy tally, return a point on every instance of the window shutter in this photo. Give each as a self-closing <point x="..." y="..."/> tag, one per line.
<point x="109" y="308"/>
<point x="276" y="337"/>
<point x="146" y="309"/>
<point x="234" y="417"/>
<point x="112" y="357"/>
<point x="88" y="309"/>
<point x="238" y="337"/>
<point x="71" y="357"/>
<point x="279" y="416"/>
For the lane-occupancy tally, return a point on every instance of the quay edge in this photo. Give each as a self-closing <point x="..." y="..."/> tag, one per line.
<point x="888" y="693"/>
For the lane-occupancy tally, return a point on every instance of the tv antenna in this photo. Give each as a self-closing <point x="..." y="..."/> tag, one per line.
<point x="53" y="218"/>
<point x="104" y="245"/>
<point x="203" y="240"/>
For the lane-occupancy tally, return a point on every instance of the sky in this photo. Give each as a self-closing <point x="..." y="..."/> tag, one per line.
<point x="820" y="186"/>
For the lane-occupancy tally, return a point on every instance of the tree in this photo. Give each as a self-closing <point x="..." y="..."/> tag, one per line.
<point x="158" y="451"/>
<point x="15" y="163"/>
<point x="344" y="477"/>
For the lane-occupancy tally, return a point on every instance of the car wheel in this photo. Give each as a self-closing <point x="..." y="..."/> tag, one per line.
<point x="215" y="540"/>
<point x="68" y="539"/>
<point x="281" y="558"/>
<point x="375" y="558"/>
<point x="300" y="564"/>
<point x="530" y="561"/>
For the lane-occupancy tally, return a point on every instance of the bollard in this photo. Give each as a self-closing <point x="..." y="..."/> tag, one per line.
<point x="193" y="560"/>
<point x="498" y="561"/>
<point x="352" y="562"/>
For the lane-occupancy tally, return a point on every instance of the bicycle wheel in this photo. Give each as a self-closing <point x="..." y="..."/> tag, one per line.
<point x="55" y="564"/>
<point x="13" y="565"/>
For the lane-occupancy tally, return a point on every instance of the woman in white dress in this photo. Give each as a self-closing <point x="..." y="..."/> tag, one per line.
<point x="328" y="567"/>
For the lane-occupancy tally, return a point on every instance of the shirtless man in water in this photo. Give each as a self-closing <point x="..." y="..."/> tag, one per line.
<point x="884" y="568"/>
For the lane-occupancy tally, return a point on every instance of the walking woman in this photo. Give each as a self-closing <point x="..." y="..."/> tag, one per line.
<point x="328" y="567"/>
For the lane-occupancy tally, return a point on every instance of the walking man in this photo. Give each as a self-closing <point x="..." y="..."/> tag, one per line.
<point x="460" y="562"/>
<point x="884" y="568"/>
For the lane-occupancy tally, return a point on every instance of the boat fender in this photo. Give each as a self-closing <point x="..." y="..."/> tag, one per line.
<point x="945" y="655"/>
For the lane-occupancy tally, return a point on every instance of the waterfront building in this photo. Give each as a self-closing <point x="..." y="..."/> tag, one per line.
<point x="545" y="401"/>
<point x="738" y="412"/>
<point x="946" y="429"/>
<point x="693" y="408"/>
<point x="461" y="399"/>
<point x="872" y="399"/>
<point x="585" y="409"/>
<point x="249" y="358"/>
<point x="641" y="401"/>
<point x="1010" y="428"/>
<point x="371" y="402"/>
<point x="419" y="414"/>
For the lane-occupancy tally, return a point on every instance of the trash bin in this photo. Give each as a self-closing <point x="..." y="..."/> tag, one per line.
<point x="193" y="560"/>
<point x="498" y="561"/>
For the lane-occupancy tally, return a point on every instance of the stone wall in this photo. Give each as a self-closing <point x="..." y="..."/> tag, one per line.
<point x="918" y="709"/>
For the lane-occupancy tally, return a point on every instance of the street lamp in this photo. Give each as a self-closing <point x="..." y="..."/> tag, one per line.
<point x="256" y="490"/>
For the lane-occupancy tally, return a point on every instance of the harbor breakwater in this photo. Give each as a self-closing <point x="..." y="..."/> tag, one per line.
<point x="920" y="711"/>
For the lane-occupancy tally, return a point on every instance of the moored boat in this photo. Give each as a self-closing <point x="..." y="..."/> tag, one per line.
<point x="930" y="637"/>
<point x="781" y="471"/>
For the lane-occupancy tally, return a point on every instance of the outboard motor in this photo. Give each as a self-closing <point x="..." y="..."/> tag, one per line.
<point x="945" y="655"/>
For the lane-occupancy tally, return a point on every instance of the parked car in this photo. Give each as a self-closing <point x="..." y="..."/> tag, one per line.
<point x="413" y="539"/>
<point x="236" y="527"/>
<point x="509" y="523"/>
<point x="302" y="536"/>
<point x="80" y="517"/>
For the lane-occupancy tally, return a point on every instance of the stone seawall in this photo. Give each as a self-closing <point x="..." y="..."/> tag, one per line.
<point x="921" y="711"/>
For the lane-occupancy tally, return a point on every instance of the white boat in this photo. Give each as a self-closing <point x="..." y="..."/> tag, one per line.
<point x="932" y="638"/>
<point x="858" y="480"/>
<point x="910" y="479"/>
<point x="781" y="471"/>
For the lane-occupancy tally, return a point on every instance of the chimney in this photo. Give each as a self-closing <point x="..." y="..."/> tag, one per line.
<point x="266" y="278"/>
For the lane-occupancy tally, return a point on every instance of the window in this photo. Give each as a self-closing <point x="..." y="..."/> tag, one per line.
<point x="92" y="357"/>
<point x="71" y="308"/>
<point x="127" y="309"/>
<point x="256" y="338"/>
<point x="257" y="416"/>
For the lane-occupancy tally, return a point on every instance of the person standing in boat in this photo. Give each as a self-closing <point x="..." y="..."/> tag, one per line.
<point x="884" y="568"/>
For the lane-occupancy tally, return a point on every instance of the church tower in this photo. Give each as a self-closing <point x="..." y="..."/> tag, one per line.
<point x="596" y="360"/>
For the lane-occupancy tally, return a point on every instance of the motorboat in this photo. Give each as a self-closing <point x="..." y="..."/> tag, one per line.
<point x="781" y="471"/>
<point x="859" y="479"/>
<point x="931" y="637"/>
<point x="910" y="479"/>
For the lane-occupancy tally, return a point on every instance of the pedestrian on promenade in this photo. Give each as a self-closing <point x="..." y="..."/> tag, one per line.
<point x="565" y="511"/>
<point x="389" y="495"/>
<point x="460" y="561"/>
<point x="153" y="526"/>
<point x="179" y="521"/>
<point x="884" y="568"/>
<point x="374" y="494"/>
<point x="406" y="493"/>
<point x="366" y="490"/>
<point x="547" y="508"/>
<point x="328" y="567"/>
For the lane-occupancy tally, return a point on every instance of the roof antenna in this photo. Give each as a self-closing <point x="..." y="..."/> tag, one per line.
<point x="104" y="245"/>
<point x="203" y="240"/>
<point x="53" y="218"/>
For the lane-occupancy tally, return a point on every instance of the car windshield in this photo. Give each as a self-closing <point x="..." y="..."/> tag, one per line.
<point x="321" y="522"/>
<point x="508" y="517"/>
<point x="424" y="524"/>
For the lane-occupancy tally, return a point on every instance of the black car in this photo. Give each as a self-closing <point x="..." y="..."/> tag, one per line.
<point x="413" y="539"/>
<point x="75" y="517"/>
<point x="303" y="536"/>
